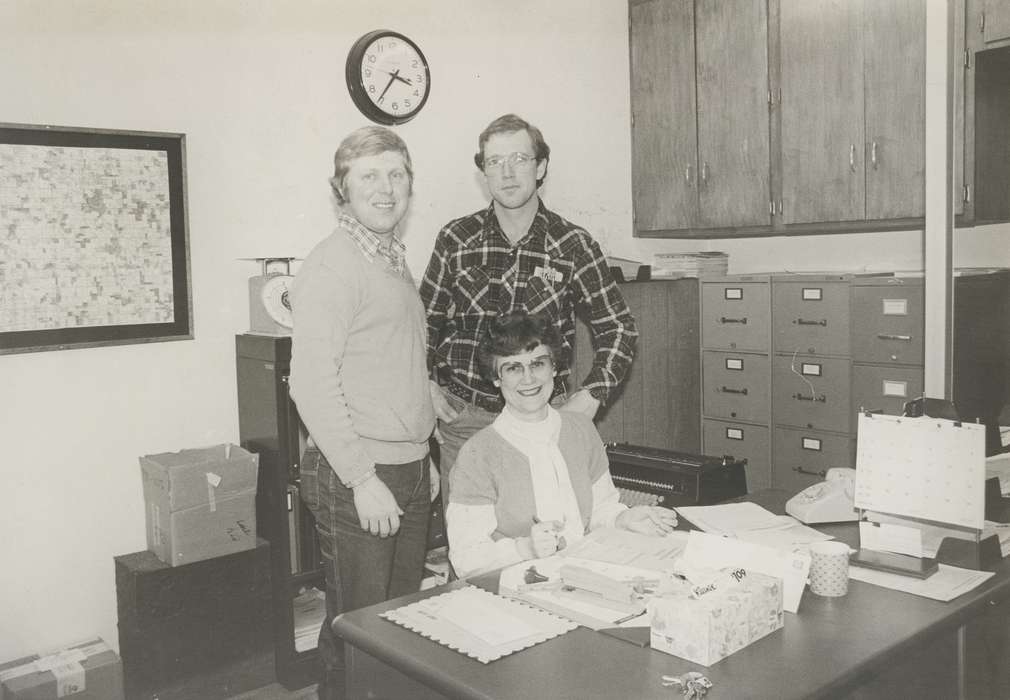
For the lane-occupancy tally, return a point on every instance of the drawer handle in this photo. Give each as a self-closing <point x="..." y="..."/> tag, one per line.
<point x="821" y="398"/>
<point x="892" y="336"/>
<point x="727" y="390"/>
<point x="807" y="322"/>
<point x="733" y="320"/>
<point x="822" y="473"/>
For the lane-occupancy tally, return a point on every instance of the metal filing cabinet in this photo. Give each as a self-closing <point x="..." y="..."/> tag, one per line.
<point x="736" y="372"/>
<point x="812" y="350"/>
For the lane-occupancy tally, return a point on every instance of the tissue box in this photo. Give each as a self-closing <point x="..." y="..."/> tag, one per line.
<point x="86" y="671"/>
<point x="200" y="503"/>
<point x="713" y="626"/>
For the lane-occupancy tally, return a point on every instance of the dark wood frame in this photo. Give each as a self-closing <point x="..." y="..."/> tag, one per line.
<point x="181" y="327"/>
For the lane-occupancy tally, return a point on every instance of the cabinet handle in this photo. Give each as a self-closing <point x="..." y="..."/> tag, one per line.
<point x="821" y="398"/>
<point x="811" y="322"/>
<point x="852" y="157"/>
<point x="892" y="336"/>
<point x="704" y="172"/>
<point x="873" y="155"/>
<point x="727" y="390"/>
<point x="687" y="174"/>
<point x="822" y="473"/>
<point x="733" y="320"/>
<point x="967" y="194"/>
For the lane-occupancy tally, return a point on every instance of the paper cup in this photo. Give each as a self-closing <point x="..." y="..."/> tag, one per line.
<point x="829" y="568"/>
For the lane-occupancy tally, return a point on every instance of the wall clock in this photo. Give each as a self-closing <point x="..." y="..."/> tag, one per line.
<point x="388" y="77"/>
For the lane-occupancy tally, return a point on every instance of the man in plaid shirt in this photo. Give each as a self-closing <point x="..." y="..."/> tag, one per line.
<point x="515" y="254"/>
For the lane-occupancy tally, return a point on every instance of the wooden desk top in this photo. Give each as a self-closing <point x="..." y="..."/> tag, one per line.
<point x="827" y="649"/>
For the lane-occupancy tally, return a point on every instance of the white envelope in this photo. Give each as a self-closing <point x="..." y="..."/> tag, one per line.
<point x="715" y="552"/>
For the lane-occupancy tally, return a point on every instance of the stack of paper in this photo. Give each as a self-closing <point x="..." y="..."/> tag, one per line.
<point x="478" y="623"/>
<point x="752" y="523"/>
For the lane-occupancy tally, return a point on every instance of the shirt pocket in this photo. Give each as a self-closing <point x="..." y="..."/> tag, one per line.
<point x="473" y="292"/>
<point x="543" y="297"/>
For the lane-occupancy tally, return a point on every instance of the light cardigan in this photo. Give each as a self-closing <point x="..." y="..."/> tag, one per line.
<point x="358" y="370"/>
<point x="491" y="504"/>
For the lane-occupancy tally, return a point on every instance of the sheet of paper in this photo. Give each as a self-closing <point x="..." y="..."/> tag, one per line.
<point x="714" y="552"/>
<point x="492" y="625"/>
<point x="999" y="466"/>
<point x="888" y="537"/>
<point x="730" y="518"/>
<point x="788" y="538"/>
<point x="629" y="548"/>
<point x="945" y="585"/>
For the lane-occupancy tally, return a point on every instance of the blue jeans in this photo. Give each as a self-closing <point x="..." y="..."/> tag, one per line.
<point x="471" y="419"/>
<point x="363" y="569"/>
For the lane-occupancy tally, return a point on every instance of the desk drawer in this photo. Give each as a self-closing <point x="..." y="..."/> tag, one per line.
<point x="802" y="455"/>
<point x="887" y="324"/>
<point x="742" y="441"/>
<point x="811" y="392"/>
<point x="811" y="316"/>
<point x="735" y="386"/>
<point x="735" y="315"/>
<point x="885" y="388"/>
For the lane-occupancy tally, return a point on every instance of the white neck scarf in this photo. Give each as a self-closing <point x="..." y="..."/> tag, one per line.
<point x="553" y="495"/>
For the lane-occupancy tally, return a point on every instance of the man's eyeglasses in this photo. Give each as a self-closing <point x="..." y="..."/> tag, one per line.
<point x="539" y="367"/>
<point x="516" y="160"/>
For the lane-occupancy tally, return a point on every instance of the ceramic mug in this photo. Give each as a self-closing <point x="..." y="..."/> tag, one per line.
<point x="829" y="568"/>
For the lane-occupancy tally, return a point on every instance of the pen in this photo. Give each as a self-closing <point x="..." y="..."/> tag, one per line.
<point x="628" y="618"/>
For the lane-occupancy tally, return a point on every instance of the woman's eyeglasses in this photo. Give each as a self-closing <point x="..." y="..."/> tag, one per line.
<point x="539" y="367"/>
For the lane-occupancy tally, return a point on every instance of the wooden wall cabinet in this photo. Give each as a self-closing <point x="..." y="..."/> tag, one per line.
<point x="852" y="110"/>
<point x="760" y="117"/>
<point x="700" y="138"/>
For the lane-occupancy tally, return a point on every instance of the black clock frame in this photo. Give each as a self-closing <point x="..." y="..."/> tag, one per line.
<point x="356" y="88"/>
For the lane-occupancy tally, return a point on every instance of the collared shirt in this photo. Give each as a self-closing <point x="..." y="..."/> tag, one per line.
<point x="372" y="246"/>
<point x="475" y="273"/>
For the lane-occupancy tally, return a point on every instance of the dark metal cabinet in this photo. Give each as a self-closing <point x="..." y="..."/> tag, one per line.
<point x="269" y="426"/>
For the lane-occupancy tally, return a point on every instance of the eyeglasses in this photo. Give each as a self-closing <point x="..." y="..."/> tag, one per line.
<point x="539" y="367"/>
<point x="516" y="160"/>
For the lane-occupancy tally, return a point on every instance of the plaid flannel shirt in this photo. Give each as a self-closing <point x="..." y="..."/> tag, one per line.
<point x="475" y="274"/>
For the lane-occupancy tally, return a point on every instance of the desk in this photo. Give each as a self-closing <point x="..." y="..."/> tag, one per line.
<point x="873" y="642"/>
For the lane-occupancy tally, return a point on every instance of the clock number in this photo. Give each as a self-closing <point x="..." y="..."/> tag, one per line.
<point x="396" y="107"/>
<point x="406" y="104"/>
<point x="367" y="72"/>
<point x="420" y="78"/>
<point x="371" y="88"/>
<point x="371" y="58"/>
<point x="413" y="64"/>
<point x="416" y="93"/>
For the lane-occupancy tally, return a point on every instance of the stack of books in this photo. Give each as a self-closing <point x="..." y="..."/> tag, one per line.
<point x="703" y="264"/>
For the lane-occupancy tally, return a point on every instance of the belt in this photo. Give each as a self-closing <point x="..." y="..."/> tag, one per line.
<point x="491" y="404"/>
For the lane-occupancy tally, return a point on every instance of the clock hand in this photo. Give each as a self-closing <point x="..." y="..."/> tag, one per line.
<point x="392" y="77"/>
<point x="396" y="76"/>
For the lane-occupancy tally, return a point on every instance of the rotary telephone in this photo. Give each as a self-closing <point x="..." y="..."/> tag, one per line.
<point x="830" y="501"/>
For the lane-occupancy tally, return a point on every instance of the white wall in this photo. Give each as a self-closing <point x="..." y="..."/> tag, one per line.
<point x="257" y="87"/>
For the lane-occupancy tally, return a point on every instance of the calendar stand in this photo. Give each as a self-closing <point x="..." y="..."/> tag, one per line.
<point x="927" y="472"/>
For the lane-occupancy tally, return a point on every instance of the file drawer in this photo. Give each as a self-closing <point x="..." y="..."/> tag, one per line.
<point x="742" y="441"/>
<point x="888" y="322"/>
<point x="802" y="457"/>
<point x="735" y="315"/>
<point x="735" y="385"/>
<point x="811" y="316"/>
<point x="883" y="388"/>
<point x="811" y="392"/>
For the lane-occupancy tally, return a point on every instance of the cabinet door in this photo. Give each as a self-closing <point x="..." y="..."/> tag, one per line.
<point x="894" y="73"/>
<point x="663" y="128"/>
<point x="822" y="111"/>
<point x="732" y="88"/>
<point x="997" y="20"/>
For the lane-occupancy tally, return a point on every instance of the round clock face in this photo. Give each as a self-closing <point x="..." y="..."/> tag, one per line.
<point x="388" y="77"/>
<point x="274" y="295"/>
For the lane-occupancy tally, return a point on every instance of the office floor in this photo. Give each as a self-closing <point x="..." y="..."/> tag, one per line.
<point x="275" y="691"/>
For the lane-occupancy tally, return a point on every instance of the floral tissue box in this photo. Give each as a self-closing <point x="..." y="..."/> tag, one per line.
<point x="708" y="622"/>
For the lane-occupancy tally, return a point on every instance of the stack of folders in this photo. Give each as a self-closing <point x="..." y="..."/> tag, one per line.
<point x="701" y="264"/>
<point x="309" y="608"/>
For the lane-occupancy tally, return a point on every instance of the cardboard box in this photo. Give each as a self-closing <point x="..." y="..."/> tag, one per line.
<point x="200" y="503"/>
<point x="712" y="626"/>
<point x="87" y="671"/>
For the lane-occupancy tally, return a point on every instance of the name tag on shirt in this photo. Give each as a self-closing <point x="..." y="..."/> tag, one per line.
<point x="548" y="274"/>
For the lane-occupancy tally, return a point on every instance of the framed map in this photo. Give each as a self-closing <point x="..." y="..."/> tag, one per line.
<point x="94" y="248"/>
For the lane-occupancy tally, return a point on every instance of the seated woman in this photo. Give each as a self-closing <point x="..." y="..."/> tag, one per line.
<point x="536" y="479"/>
